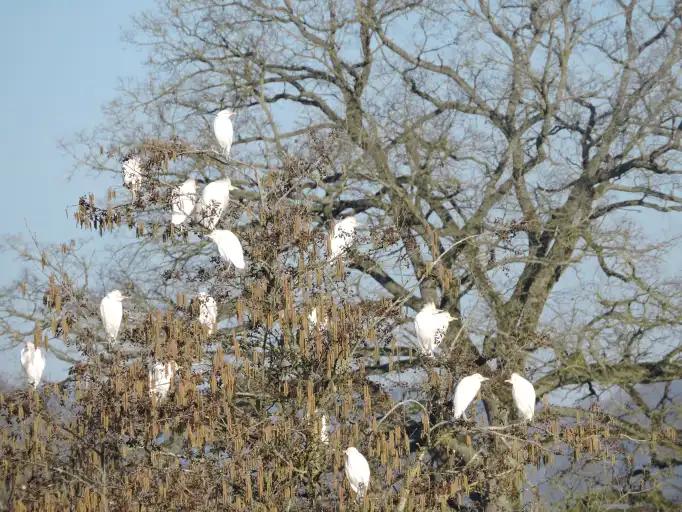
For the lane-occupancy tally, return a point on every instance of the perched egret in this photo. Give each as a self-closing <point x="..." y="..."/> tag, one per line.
<point x="183" y="198"/>
<point x="208" y="311"/>
<point x="357" y="471"/>
<point x="312" y="320"/>
<point x="222" y="128"/>
<point x="324" y="429"/>
<point x="524" y="395"/>
<point x="111" y="311"/>
<point x="229" y="247"/>
<point x="321" y="424"/>
<point x="431" y="325"/>
<point x="211" y="205"/>
<point x="160" y="378"/>
<point x="33" y="361"/>
<point x="465" y="392"/>
<point x="132" y="174"/>
<point x="343" y="236"/>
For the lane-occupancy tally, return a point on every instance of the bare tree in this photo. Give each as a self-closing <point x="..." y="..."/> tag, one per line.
<point x="500" y="157"/>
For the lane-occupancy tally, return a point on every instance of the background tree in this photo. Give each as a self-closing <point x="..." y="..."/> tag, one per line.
<point x="499" y="157"/>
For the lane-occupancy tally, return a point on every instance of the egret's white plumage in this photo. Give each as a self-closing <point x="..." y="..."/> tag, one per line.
<point x="312" y="317"/>
<point x="312" y="320"/>
<point x="132" y="174"/>
<point x="211" y="205"/>
<point x="343" y="236"/>
<point x="223" y="130"/>
<point x="111" y="311"/>
<point x="208" y="311"/>
<point x="229" y="247"/>
<point x="33" y="361"/>
<point x="160" y="379"/>
<point x="431" y="325"/>
<point x="465" y="392"/>
<point x="183" y="198"/>
<point x="523" y="393"/>
<point x="324" y="429"/>
<point x="357" y="471"/>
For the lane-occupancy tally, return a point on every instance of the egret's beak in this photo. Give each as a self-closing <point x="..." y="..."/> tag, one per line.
<point x="484" y="378"/>
<point x="232" y="187"/>
<point x="509" y="381"/>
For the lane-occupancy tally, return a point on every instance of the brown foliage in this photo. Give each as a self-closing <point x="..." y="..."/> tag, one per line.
<point x="488" y="165"/>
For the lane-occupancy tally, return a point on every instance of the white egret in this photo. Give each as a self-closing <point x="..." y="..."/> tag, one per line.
<point x="229" y="247"/>
<point x="465" y="392"/>
<point x="321" y="425"/>
<point x="132" y="174"/>
<point x="160" y="378"/>
<point x="431" y="325"/>
<point x="523" y="393"/>
<point x="183" y="198"/>
<point x="222" y="128"/>
<point x="312" y="320"/>
<point x="33" y="361"/>
<point x="208" y="311"/>
<point x="111" y="311"/>
<point x="343" y="236"/>
<point x="324" y="429"/>
<point x="357" y="471"/>
<point x="211" y="205"/>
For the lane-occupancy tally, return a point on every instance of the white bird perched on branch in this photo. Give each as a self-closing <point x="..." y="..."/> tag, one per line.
<point x="208" y="311"/>
<point x="357" y="471"/>
<point x="431" y="324"/>
<point x="183" y="198"/>
<point x="312" y="321"/>
<point x="132" y="174"/>
<point x="321" y="424"/>
<point x="224" y="133"/>
<point x="160" y="378"/>
<point x="111" y="311"/>
<point x="523" y="393"/>
<point x="229" y="247"/>
<point x="343" y="236"/>
<point x="211" y="205"/>
<point x="465" y="392"/>
<point x="33" y="361"/>
<point x="324" y="429"/>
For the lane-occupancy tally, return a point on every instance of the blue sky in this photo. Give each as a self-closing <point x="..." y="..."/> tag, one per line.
<point x="62" y="61"/>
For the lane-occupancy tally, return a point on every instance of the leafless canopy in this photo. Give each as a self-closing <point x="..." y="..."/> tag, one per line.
<point x="513" y="162"/>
